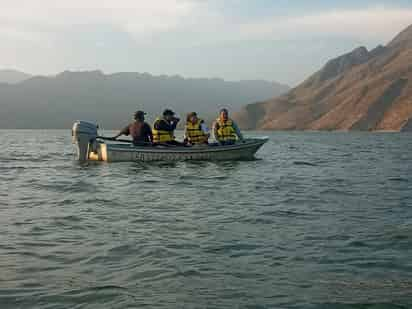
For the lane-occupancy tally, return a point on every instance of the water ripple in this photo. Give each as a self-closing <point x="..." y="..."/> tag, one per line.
<point x="321" y="220"/>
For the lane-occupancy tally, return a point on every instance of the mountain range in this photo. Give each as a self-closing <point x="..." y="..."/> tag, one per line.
<point x="12" y="76"/>
<point x="361" y="90"/>
<point x="111" y="99"/>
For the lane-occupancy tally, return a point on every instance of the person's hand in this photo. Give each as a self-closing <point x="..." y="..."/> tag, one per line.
<point x="175" y="119"/>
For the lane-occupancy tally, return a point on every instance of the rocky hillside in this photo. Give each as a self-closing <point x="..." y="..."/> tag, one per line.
<point x="361" y="90"/>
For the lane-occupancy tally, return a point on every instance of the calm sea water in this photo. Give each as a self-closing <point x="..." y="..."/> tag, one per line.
<point x="320" y="220"/>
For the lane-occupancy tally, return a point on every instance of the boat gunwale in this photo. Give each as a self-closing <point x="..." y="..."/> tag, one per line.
<point x="255" y="142"/>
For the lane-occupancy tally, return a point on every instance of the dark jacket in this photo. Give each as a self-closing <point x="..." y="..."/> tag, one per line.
<point x="162" y="124"/>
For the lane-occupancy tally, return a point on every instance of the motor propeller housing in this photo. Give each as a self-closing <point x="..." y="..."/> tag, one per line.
<point x="84" y="133"/>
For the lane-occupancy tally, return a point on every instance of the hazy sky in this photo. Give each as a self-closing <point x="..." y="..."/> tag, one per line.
<point x="280" y="40"/>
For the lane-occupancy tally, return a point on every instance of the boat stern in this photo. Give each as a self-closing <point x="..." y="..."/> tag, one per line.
<point x="84" y="135"/>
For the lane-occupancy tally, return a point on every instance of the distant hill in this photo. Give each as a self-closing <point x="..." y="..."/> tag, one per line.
<point x="12" y="76"/>
<point x="55" y="102"/>
<point x="361" y="90"/>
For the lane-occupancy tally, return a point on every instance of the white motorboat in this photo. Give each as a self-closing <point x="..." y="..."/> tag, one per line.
<point x="91" y="147"/>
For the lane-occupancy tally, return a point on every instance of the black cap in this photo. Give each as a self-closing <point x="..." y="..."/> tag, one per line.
<point x="223" y="110"/>
<point x="168" y="112"/>
<point x="139" y="114"/>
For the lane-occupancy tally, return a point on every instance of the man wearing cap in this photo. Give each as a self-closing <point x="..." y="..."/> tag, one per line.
<point x="164" y="127"/>
<point x="138" y="129"/>
<point x="225" y="130"/>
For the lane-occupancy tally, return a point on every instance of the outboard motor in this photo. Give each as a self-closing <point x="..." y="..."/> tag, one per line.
<point x="83" y="135"/>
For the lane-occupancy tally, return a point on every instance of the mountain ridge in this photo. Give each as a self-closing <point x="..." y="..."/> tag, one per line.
<point x="10" y="76"/>
<point x="110" y="99"/>
<point x="360" y="90"/>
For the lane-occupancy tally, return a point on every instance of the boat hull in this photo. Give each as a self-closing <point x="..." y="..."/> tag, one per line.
<point x="114" y="152"/>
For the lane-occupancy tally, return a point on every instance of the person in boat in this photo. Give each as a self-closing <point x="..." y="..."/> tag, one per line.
<point x="196" y="131"/>
<point x="164" y="128"/>
<point x="225" y="130"/>
<point x="139" y="130"/>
